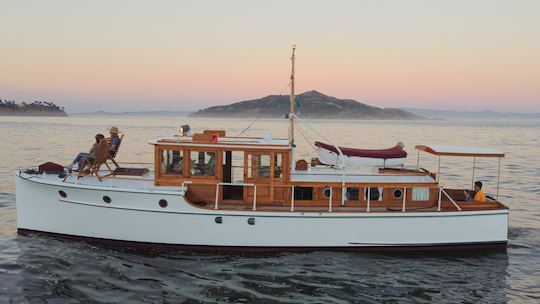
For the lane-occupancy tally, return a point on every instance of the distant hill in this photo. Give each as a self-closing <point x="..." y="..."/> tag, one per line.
<point x="137" y="113"/>
<point x="468" y="115"/>
<point x="36" y="108"/>
<point x="312" y="104"/>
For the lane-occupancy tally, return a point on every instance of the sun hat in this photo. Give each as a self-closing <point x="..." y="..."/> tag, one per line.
<point x="114" y="130"/>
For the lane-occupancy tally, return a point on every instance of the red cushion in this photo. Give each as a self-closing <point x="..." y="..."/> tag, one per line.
<point x="394" y="152"/>
<point x="51" y="168"/>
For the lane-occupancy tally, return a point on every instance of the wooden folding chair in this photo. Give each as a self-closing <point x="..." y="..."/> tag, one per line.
<point x="115" y="152"/>
<point x="92" y="164"/>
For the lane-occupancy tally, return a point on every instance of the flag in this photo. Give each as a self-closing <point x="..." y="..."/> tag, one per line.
<point x="296" y="102"/>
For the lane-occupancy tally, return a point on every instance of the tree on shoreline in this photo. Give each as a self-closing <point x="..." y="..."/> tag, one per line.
<point x="36" y="106"/>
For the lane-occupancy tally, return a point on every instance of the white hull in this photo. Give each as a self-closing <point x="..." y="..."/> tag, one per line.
<point x="331" y="158"/>
<point x="137" y="217"/>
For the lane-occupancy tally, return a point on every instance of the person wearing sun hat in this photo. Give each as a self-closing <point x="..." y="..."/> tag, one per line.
<point x="115" y="140"/>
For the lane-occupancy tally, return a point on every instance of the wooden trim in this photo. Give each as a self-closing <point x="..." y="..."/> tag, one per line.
<point x="431" y="151"/>
<point x="372" y="185"/>
<point x="229" y="146"/>
<point x="219" y="133"/>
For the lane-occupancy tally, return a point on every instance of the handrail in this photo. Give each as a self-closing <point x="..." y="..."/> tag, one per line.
<point x="292" y="198"/>
<point x="368" y="205"/>
<point x="330" y="199"/>
<point x="186" y="182"/>
<point x="451" y="199"/>
<point x="237" y="184"/>
<point x="404" y="198"/>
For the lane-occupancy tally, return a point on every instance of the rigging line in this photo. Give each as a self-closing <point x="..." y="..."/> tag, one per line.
<point x="306" y="138"/>
<point x="286" y="87"/>
<point x="306" y="134"/>
<point x="257" y="118"/>
<point x="249" y="126"/>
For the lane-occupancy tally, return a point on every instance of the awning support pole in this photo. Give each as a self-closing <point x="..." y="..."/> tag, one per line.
<point x="439" y="200"/>
<point x="439" y="170"/>
<point x="418" y="161"/>
<point x="498" y="178"/>
<point x="473" y="166"/>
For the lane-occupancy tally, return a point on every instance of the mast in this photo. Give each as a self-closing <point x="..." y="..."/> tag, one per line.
<point x="291" y="115"/>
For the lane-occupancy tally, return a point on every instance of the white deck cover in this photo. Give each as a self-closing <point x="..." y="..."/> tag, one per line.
<point x="335" y="175"/>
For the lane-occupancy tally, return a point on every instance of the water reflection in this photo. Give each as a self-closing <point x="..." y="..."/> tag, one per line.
<point x="53" y="269"/>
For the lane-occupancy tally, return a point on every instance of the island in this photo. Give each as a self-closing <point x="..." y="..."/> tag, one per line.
<point x="311" y="104"/>
<point x="36" y="108"/>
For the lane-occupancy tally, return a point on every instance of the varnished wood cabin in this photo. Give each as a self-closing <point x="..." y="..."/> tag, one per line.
<point x="255" y="173"/>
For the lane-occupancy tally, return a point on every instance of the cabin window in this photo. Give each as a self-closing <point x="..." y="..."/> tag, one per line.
<point x="278" y="165"/>
<point x="202" y="163"/>
<point x="258" y="165"/>
<point x="375" y="194"/>
<point x="420" y="194"/>
<point x="303" y="193"/>
<point x="172" y="162"/>
<point x="352" y="194"/>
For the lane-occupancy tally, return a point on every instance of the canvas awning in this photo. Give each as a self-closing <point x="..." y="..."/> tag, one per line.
<point x="460" y="151"/>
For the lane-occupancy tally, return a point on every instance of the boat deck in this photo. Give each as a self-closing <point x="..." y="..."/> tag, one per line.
<point x="133" y="183"/>
<point x="362" y="175"/>
<point x="146" y="184"/>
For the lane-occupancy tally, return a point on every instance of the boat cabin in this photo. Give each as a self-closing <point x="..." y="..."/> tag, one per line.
<point x="234" y="165"/>
<point x="260" y="173"/>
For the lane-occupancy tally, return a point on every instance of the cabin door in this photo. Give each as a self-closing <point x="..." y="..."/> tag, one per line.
<point x="259" y="171"/>
<point x="233" y="172"/>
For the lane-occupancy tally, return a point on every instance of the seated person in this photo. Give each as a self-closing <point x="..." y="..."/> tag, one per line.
<point x="479" y="195"/>
<point x="81" y="157"/>
<point x="115" y="140"/>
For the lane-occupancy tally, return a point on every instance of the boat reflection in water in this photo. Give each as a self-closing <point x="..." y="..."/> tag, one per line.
<point x="54" y="270"/>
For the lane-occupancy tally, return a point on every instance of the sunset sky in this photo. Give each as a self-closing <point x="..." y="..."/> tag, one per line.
<point x="185" y="55"/>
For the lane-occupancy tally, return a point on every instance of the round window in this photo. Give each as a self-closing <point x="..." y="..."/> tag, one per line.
<point x="163" y="203"/>
<point x="107" y="199"/>
<point x="398" y="193"/>
<point x="327" y="192"/>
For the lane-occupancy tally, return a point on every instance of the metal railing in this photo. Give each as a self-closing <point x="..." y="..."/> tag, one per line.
<point x="216" y="205"/>
<point x="367" y="194"/>
<point x="441" y="191"/>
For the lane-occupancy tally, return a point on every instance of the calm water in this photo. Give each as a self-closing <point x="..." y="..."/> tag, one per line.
<point x="40" y="269"/>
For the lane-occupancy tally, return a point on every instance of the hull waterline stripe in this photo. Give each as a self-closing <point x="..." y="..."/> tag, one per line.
<point x="145" y="245"/>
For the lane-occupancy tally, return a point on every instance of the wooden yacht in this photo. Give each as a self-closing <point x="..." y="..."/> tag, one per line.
<point x="208" y="189"/>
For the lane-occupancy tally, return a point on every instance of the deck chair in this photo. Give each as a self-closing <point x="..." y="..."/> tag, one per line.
<point x="115" y="152"/>
<point x="92" y="164"/>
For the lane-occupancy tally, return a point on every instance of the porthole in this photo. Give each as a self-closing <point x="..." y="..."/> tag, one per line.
<point x="163" y="203"/>
<point x="398" y="193"/>
<point x="62" y="194"/>
<point x="327" y="192"/>
<point x="107" y="199"/>
<point x="251" y="221"/>
<point x="219" y="220"/>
